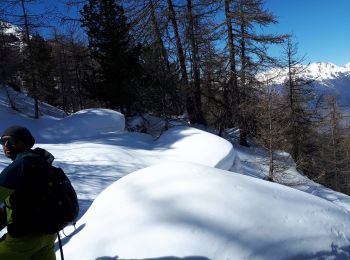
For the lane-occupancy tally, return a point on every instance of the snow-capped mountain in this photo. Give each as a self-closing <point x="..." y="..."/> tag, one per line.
<point x="328" y="79"/>
<point x="318" y="71"/>
<point x="10" y="29"/>
<point x="326" y="71"/>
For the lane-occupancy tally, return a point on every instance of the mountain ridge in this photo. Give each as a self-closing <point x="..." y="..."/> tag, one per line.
<point x="11" y="29"/>
<point x="327" y="79"/>
<point x="317" y="71"/>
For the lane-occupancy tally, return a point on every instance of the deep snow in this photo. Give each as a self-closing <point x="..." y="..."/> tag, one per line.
<point x="185" y="195"/>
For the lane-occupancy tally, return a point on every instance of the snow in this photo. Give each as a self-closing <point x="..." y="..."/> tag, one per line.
<point x="318" y="71"/>
<point x="185" y="195"/>
<point x="327" y="79"/>
<point x="185" y="209"/>
<point x="8" y="28"/>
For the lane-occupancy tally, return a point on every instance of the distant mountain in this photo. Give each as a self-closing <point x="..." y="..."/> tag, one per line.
<point x="328" y="79"/>
<point x="11" y="30"/>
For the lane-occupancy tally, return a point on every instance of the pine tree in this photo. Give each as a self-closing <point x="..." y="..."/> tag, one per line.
<point x="111" y="46"/>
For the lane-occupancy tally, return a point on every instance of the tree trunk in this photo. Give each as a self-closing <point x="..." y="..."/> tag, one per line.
<point x="295" y="153"/>
<point x="196" y="92"/>
<point x="189" y="98"/>
<point x="160" y="45"/>
<point x="179" y="48"/>
<point x="242" y="98"/>
<point x="271" y="158"/>
<point x="233" y="84"/>
<point x="31" y="64"/>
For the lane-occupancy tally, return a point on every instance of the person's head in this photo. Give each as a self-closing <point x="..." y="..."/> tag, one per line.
<point x="15" y="140"/>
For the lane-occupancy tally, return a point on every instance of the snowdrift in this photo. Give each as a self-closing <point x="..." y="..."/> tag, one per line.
<point x="180" y="207"/>
<point x="185" y="209"/>
<point x="183" y="143"/>
<point x="83" y="124"/>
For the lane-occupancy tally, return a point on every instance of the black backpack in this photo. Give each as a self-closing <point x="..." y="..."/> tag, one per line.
<point x="46" y="203"/>
<point x="58" y="207"/>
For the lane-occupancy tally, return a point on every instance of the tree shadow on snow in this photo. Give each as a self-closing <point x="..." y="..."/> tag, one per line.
<point x="156" y="258"/>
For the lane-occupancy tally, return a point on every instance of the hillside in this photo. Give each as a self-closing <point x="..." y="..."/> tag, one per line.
<point x="187" y="195"/>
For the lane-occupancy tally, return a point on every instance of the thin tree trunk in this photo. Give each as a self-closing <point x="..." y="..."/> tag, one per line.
<point x="160" y="45"/>
<point x="295" y="153"/>
<point x="242" y="99"/>
<point x="189" y="99"/>
<point x="162" y="55"/>
<point x="179" y="48"/>
<point x="196" y="93"/>
<point x="271" y="157"/>
<point x="335" y="147"/>
<point x="232" y="96"/>
<point x="31" y="64"/>
<point x="78" y="83"/>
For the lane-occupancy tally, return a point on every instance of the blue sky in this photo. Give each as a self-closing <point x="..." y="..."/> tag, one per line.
<point x="321" y="27"/>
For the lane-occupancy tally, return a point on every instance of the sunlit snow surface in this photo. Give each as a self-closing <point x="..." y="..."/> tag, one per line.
<point x="185" y="195"/>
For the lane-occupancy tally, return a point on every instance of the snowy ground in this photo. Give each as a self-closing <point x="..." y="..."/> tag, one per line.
<point x="185" y="195"/>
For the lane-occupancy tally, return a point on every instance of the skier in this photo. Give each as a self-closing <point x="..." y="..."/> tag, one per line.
<point x="21" y="241"/>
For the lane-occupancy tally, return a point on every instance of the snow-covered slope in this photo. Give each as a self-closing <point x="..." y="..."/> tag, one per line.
<point x="174" y="197"/>
<point x="185" y="209"/>
<point x="25" y="104"/>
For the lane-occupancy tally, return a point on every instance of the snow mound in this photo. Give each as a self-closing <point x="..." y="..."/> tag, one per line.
<point x="157" y="212"/>
<point x="54" y="125"/>
<point x="83" y="124"/>
<point x="90" y="122"/>
<point x="196" y="146"/>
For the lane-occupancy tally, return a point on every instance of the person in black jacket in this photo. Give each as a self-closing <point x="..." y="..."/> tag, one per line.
<point x="17" y="184"/>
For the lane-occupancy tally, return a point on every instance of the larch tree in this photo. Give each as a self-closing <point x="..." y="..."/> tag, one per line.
<point x="270" y="128"/>
<point x="333" y="148"/>
<point x="195" y="91"/>
<point x="299" y="111"/>
<point x="247" y="56"/>
<point x="161" y="85"/>
<point x="70" y="58"/>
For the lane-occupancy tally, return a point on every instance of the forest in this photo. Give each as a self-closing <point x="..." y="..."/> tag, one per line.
<point x="204" y="61"/>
